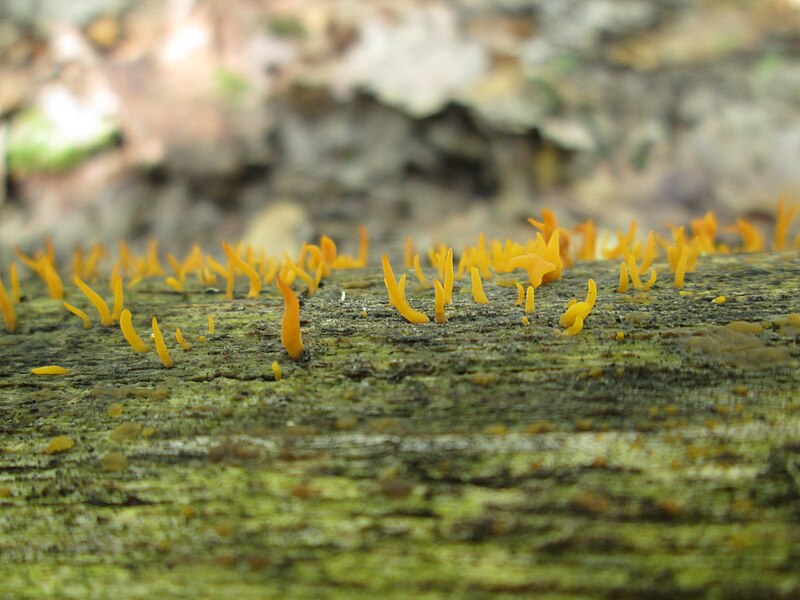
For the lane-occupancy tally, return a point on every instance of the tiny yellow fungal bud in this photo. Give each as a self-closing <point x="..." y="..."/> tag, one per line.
<point x="363" y="246"/>
<point x="580" y="309"/>
<point x="364" y="313"/>
<point x="328" y="249"/>
<point x="230" y="281"/>
<point x="307" y="279"/>
<point x="423" y="281"/>
<point x="201" y="338"/>
<point x="244" y="267"/>
<point x="210" y="325"/>
<point x="161" y="347"/>
<point x="179" y="336"/>
<point x="752" y="240"/>
<point x="651" y="281"/>
<point x="119" y="297"/>
<point x="575" y="328"/>
<point x="680" y="269"/>
<point x="7" y="308"/>
<point x="520" y="294"/>
<point x="719" y="299"/>
<point x="408" y="254"/>
<point x="175" y="284"/>
<point x="291" y="337"/>
<point x="623" y="278"/>
<point x="126" y="325"/>
<point x="620" y="336"/>
<point x="153" y="265"/>
<point x="477" y="287"/>
<point x="649" y="253"/>
<point x="50" y="370"/>
<point x="99" y="303"/>
<point x="448" y="277"/>
<point x="317" y="277"/>
<point x="439" y="315"/>
<point x="54" y="285"/>
<point x="276" y="369"/>
<point x="633" y="271"/>
<point x="59" y="444"/>
<point x="396" y="295"/>
<point x="783" y="219"/>
<point x="14" y="282"/>
<point x="525" y="320"/>
<point x="87" y="324"/>
<point x="529" y="300"/>
<point x="481" y="257"/>
<point x="587" y="249"/>
<point x="134" y="282"/>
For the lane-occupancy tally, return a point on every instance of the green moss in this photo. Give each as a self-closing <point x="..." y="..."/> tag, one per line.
<point x="37" y="144"/>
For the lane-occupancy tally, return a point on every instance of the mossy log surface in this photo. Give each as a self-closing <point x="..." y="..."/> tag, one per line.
<point x="480" y="458"/>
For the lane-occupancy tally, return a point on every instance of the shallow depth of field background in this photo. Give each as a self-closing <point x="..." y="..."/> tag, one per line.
<point x="275" y="120"/>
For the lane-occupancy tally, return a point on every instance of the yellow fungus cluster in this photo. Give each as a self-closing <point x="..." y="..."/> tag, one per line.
<point x="538" y="261"/>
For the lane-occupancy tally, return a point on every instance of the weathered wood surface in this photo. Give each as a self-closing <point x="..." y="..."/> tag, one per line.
<point x="480" y="458"/>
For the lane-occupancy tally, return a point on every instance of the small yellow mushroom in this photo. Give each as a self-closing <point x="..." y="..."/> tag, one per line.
<point x="161" y="347"/>
<point x="50" y="370"/>
<point x="175" y="284"/>
<point x="680" y="269"/>
<point x="477" y="287"/>
<point x="291" y="337"/>
<point x="423" y="281"/>
<point x="752" y="240"/>
<point x="244" y="267"/>
<point x="210" y="325"/>
<point x="536" y="266"/>
<point x="448" y="277"/>
<point x="580" y="309"/>
<point x="623" y="278"/>
<point x="126" y="325"/>
<point x="633" y="271"/>
<point x="119" y="296"/>
<point x="230" y="281"/>
<point x="651" y="281"/>
<point x="520" y="294"/>
<point x="587" y="249"/>
<point x="87" y="324"/>
<point x="363" y="246"/>
<point x="14" y="282"/>
<point x="53" y="281"/>
<point x="529" y="306"/>
<point x="439" y="315"/>
<point x="783" y="219"/>
<point x="719" y="300"/>
<point x="409" y="252"/>
<point x="396" y="295"/>
<point x="649" y="253"/>
<point x="181" y="340"/>
<point x="7" y="308"/>
<point x="99" y="303"/>
<point x="575" y="328"/>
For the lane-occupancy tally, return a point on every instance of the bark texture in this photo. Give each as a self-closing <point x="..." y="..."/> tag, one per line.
<point x="479" y="458"/>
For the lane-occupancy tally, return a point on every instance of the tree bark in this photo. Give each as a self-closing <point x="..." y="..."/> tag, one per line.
<point x="654" y="455"/>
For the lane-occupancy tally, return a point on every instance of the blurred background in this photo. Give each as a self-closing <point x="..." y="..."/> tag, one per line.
<point x="275" y="120"/>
